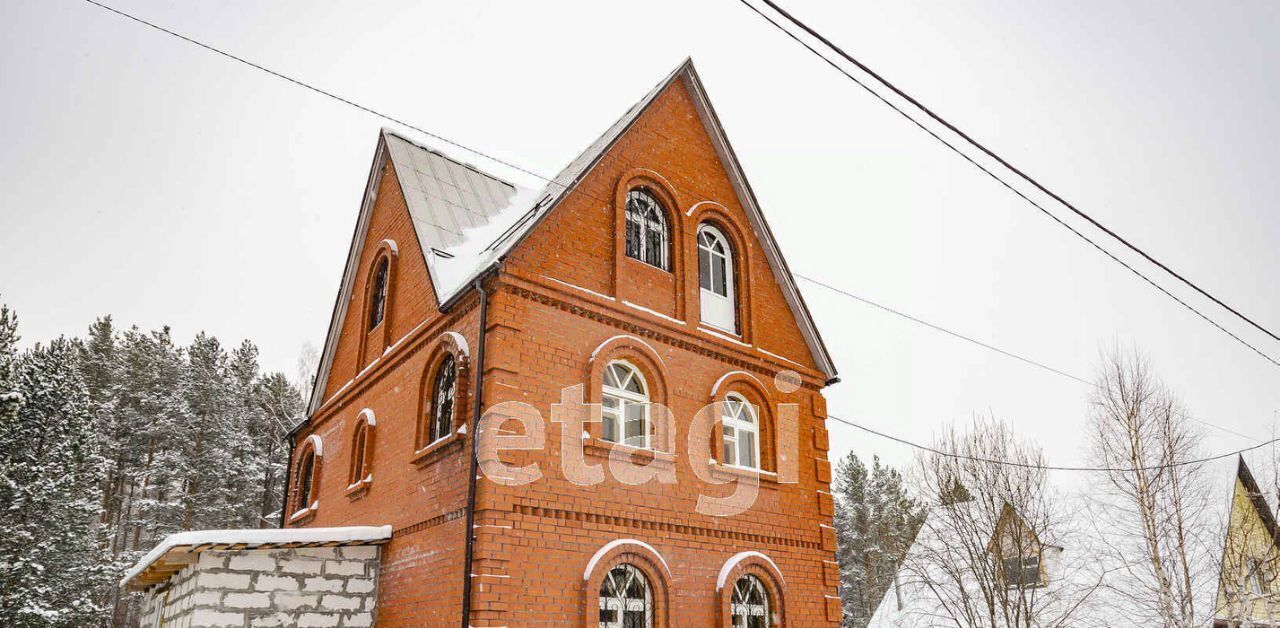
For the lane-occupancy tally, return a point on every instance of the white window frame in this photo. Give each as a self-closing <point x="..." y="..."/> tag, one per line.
<point x="620" y="603"/>
<point x="733" y="426"/>
<point x="715" y="309"/>
<point x="742" y="588"/>
<point x="650" y="219"/>
<point x="625" y="398"/>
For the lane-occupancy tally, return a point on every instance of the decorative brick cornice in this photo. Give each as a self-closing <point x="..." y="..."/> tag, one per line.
<point x="664" y="527"/>
<point x="427" y="524"/>
<point x="545" y="295"/>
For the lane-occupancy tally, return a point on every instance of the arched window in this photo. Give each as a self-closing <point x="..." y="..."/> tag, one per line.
<point x="304" y="480"/>
<point x="626" y="600"/>
<point x="715" y="279"/>
<point x="624" y="401"/>
<point x="647" y="235"/>
<point x="360" y="453"/>
<point x="741" y="433"/>
<point x="443" y="394"/>
<point x="378" y="293"/>
<point x="749" y="606"/>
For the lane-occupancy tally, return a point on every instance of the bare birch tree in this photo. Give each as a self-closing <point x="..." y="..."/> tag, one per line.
<point x="1154" y="506"/>
<point x="991" y="545"/>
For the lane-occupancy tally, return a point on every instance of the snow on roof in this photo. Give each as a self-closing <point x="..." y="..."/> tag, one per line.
<point x="468" y="220"/>
<point x="250" y="538"/>
<point x="457" y="211"/>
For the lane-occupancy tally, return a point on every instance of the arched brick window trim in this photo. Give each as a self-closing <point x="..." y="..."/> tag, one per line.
<point x="631" y="552"/>
<point x="310" y="451"/>
<point x="749" y="387"/>
<point x="762" y="567"/>
<point x="374" y="341"/>
<point x="448" y="344"/>
<point x="661" y="189"/>
<point x="640" y="354"/>
<point x="360" y="471"/>
<point x="715" y="214"/>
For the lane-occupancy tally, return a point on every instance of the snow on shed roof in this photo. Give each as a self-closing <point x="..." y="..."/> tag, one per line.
<point x="177" y="550"/>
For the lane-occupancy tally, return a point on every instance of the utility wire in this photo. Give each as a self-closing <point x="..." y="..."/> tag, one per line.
<point x="551" y="181"/>
<point x="1004" y="183"/>
<point x="1025" y="465"/>
<point x="985" y="345"/>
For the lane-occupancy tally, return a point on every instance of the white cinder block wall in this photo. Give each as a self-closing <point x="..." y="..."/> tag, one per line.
<point x="305" y="587"/>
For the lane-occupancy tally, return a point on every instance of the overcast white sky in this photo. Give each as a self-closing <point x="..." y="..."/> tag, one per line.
<point x="146" y="178"/>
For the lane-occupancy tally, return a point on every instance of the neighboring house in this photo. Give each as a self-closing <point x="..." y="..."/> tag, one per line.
<point x="646" y="276"/>
<point x="976" y="564"/>
<point x="1249" y="582"/>
<point x="968" y="558"/>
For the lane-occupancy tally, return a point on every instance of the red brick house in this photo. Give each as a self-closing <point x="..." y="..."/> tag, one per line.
<point x="645" y="274"/>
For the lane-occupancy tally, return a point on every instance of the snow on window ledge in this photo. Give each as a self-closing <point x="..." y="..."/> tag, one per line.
<point x="430" y="452"/>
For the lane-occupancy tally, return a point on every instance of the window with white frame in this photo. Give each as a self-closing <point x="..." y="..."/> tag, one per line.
<point x="1258" y="581"/>
<point x="444" y="391"/>
<point x="741" y="433"/>
<point x="749" y="606"/>
<point x="624" y="401"/>
<point x="647" y="235"/>
<point x="626" y="601"/>
<point x="715" y="279"/>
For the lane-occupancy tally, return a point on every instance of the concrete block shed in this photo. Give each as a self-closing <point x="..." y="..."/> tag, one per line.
<point x="242" y="578"/>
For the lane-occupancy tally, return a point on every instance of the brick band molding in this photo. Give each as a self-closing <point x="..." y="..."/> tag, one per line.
<point x="662" y="526"/>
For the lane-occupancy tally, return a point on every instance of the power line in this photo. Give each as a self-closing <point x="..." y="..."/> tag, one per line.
<point x="1004" y="183"/>
<point x="985" y="345"/>
<point x="550" y="181"/>
<point x="317" y="90"/>
<point x="1025" y="465"/>
<point x="944" y="330"/>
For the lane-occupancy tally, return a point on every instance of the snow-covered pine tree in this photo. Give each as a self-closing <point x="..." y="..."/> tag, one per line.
<point x="876" y="521"/>
<point x="51" y="567"/>
<point x="277" y="405"/>
<point x="9" y="395"/>
<point x="212" y="441"/>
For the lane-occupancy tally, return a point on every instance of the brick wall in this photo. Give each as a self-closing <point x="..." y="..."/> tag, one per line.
<point x="316" y="587"/>
<point x="560" y="296"/>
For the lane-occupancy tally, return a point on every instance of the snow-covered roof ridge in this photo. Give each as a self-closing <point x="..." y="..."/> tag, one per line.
<point x="351" y="535"/>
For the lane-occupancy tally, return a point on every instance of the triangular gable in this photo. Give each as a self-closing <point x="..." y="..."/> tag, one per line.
<point x="1253" y="492"/>
<point x="452" y="206"/>
<point x="467" y="220"/>
<point x="574" y="173"/>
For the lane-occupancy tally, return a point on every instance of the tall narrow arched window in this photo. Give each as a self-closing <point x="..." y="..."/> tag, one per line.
<point x="443" y="393"/>
<point x="715" y="279"/>
<point x="626" y="600"/>
<point x="647" y="234"/>
<point x="303" y="484"/>
<point x="741" y="429"/>
<point x="624" y="401"/>
<point x="360" y="453"/>
<point x="378" y="293"/>
<point x="749" y="606"/>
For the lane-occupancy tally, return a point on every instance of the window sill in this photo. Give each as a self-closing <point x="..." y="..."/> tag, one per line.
<point x="304" y="516"/>
<point x="706" y="325"/>
<point x="357" y="490"/>
<point x="434" y="451"/>
<point x="635" y="455"/>
<point x="729" y="472"/>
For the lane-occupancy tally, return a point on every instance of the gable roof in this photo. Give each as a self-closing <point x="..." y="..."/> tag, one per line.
<point x="467" y="220"/>
<point x="1258" y="499"/>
